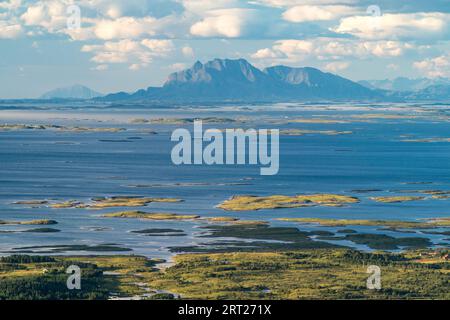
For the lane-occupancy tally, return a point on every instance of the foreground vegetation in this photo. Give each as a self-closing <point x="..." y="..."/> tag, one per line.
<point x="304" y="274"/>
<point x="290" y="274"/>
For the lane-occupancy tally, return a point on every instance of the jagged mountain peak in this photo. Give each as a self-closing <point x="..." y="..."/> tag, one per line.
<point x="238" y="79"/>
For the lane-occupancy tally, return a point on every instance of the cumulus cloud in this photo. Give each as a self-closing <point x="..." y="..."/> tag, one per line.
<point x="177" y="66"/>
<point x="124" y="28"/>
<point x="434" y="67"/>
<point x="336" y="66"/>
<point x="201" y="6"/>
<point x="267" y="53"/>
<point x="292" y="50"/>
<point x="303" y="13"/>
<point x="395" y="26"/>
<point x="188" y="51"/>
<point x="228" y="23"/>
<point x="138" y="54"/>
<point x="10" y="4"/>
<point x="291" y="3"/>
<point x="136" y="32"/>
<point x="50" y="15"/>
<point x="101" y="67"/>
<point x="158" y="47"/>
<point x="9" y="31"/>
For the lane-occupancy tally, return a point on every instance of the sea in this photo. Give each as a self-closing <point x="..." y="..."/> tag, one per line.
<point x="393" y="149"/>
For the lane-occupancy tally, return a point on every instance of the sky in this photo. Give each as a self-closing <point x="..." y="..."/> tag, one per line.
<point x="126" y="45"/>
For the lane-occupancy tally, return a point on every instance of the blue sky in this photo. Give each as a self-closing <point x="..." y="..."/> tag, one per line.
<point x="132" y="44"/>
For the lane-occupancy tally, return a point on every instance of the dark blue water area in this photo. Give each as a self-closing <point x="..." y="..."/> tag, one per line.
<point x="54" y="165"/>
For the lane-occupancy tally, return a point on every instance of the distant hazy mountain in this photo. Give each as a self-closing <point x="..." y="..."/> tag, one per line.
<point x="239" y="80"/>
<point x="436" y="92"/>
<point x="73" y="92"/>
<point x="404" y="84"/>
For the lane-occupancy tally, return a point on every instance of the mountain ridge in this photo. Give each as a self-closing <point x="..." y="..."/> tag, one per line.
<point x="227" y="79"/>
<point x="403" y="84"/>
<point x="76" y="91"/>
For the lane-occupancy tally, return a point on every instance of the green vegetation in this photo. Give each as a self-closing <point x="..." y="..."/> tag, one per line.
<point x="247" y="203"/>
<point x="103" y="202"/>
<point x="31" y="202"/>
<point x="191" y="120"/>
<point x="15" y="127"/>
<point x="382" y="241"/>
<point x="161" y="232"/>
<point x="396" y="199"/>
<point x="315" y="120"/>
<point x="303" y="274"/>
<point x="284" y="274"/>
<point x="430" y="223"/>
<point x="43" y="278"/>
<point x="301" y="132"/>
<point x="31" y="222"/>
<point x="255" y="237"/>
<point x="70" y="247"/>
<point x="150" y="215"/>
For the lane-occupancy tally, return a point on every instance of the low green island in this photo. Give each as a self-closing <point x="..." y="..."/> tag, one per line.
<point x="430" y="223"/>
<point x="151" y="215"/>
<point x="249" y="203"/>
<point x="29" y="222"/>
<point x="111" y="202"/>
<point x="302" y="132"/>
<point x="397" y="199"/>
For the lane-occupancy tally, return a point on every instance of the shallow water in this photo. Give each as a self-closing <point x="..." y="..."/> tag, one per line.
<point x="46" y="164"/>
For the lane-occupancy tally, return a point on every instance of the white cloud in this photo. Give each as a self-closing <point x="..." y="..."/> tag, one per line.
<point x="395" y="26"/>
<point x="177" y="66"/>
<point x="113" y="12"/>
<point x="434" y="67"/>
<point x="101" y="67"/>
<point x="303" y="13"/>
<point x="267" y="54"/>
<point x="158" y="47"/>
<point x="134" y="67"/>
<point x="329" y="49"/>
<point x="124" y="28"/>
<point x="10" y="4"/>
<point x="228" y="23"/>
<point x="10" y="31"/>
<point x="291" y="3"/>
<point x="201" y="6"/>
<point x="138" y="53"/>
<point x="294" y="47"/>
<point x="50" y="15"/>
<point x="393" y="66"/>
<point x="336" y="66"/>
<point x="187" y="51"/>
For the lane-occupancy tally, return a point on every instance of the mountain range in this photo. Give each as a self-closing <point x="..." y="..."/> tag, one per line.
<point x="73" y="92"/>
<point x="403" y="84"/>
<point x="223" y="80"/>
<point x="238" y="80"/>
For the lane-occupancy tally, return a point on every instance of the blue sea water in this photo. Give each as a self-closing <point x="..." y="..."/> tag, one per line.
<point x="54" y="165"/>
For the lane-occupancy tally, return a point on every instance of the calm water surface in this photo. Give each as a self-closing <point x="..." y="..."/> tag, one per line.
<point x="53" y="165"/>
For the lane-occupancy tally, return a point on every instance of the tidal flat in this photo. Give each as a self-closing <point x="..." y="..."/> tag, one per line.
<point x="351" y="191"/>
